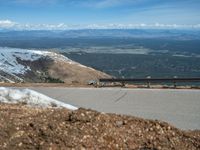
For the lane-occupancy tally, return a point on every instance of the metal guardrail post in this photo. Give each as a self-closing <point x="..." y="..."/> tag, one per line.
<point x="175" y="77"/>
<point x="175" y="85"/>
<point x="123" y="84"/>
<point x="148" y="84"/>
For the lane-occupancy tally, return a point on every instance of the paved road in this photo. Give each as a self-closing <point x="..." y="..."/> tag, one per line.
<point x="178" y="107"/>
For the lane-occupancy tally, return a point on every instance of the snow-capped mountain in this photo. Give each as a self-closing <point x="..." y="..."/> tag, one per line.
<point x="20" y="65"/>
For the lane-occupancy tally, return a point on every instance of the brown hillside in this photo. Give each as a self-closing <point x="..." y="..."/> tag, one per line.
<point x="74" y="72"/>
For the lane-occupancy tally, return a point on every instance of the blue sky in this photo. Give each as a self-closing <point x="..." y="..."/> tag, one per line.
<point x="99" y="13"/>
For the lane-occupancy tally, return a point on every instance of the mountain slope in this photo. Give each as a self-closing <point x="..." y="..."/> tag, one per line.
<point x="19" y="65"/>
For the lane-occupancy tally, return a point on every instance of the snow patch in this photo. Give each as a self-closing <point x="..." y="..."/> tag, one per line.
<point x="9" y="56"/>
<point x="31" y="98"/>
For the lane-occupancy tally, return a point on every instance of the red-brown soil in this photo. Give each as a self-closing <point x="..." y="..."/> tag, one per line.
<point x="23" y="127"/>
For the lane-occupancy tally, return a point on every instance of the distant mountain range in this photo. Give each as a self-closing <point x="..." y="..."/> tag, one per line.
<point x="19" y="65"/>
<point x="117" y="33"/>
<point x="104" y="40"/>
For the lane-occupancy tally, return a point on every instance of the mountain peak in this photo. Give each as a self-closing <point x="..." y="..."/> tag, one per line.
<point x="20" y="65"/>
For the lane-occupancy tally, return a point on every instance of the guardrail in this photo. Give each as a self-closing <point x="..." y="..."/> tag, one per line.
<point x="150" y="80"/>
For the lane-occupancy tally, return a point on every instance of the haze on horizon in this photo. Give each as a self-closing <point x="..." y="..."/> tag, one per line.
<point x="76" y="14"/>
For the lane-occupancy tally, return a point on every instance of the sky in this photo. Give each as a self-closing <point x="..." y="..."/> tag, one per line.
<point x="76" y="14"/>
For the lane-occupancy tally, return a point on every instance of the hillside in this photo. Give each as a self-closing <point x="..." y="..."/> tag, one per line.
<point x="20" y="65"/>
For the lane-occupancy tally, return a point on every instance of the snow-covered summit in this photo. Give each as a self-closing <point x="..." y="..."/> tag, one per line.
<point x="31" y="98"/>
<point x="9" y="59"/>
<point x="22" y="65"/>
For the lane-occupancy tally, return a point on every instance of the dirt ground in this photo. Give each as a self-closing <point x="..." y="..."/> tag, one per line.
<point x="78" y="85"/>
<point x="23" y="127"/>
<point x="42" y="85"/>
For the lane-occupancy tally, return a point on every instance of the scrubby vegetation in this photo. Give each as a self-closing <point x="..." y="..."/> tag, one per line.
<point x="53" y="80"/>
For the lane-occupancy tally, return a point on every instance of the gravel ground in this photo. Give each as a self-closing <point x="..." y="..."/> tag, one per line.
<point x="23" y="127"/>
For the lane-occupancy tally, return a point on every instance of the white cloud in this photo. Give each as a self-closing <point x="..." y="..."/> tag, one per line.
<point x="142" y="26"/>
<point x="8" y="24"/>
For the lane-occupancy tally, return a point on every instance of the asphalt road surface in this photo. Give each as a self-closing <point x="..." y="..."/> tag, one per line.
<point x="179" y="107"/>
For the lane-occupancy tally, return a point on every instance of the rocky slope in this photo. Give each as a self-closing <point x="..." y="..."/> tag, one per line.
<point x="19" y="65"/>
<point x="24" y="127"/>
